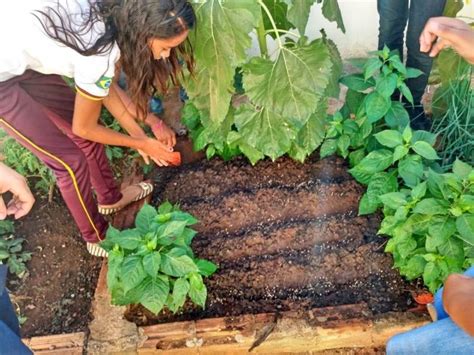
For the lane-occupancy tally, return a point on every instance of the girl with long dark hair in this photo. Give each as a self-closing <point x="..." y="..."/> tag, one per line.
<point x="91" y="42"/>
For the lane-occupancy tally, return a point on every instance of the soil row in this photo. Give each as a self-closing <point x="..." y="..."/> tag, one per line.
<point x="213" y="178"/>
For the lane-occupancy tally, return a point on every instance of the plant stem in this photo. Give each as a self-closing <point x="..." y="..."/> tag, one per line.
<point x="262" y="38"/>
<point x="285" y="32"/>
<point x="269" y="14"/>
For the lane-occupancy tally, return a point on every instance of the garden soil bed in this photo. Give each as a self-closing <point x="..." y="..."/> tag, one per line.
<point x="286" y="237"/>
<point x="57" y="293"/>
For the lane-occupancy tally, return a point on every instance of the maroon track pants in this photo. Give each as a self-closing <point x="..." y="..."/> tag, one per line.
<point x="37" y="111"/>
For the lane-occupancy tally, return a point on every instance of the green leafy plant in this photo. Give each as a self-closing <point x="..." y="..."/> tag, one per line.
<point x="286" y="91"/>
<point x="427" y="214"/>
<point x="11" y="250"/>
<point x="432" y="225"/>
<point x="153" y="263"/>
<point x="26" y="164"/>
<point x="405" y="156"/>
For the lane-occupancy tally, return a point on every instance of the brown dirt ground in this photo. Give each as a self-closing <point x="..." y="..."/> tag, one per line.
<point x="286" y="236"/>
<point x="56" y="294"/>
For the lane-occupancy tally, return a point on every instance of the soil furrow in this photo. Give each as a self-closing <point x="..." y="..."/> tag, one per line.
<point x="270" y="205"/>
<point x="213" y="178"/>
<point x="295" y="236"/>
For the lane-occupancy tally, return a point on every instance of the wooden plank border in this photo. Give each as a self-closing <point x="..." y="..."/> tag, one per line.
<point x="350" y="326"/>
<point x="67" y="344"/>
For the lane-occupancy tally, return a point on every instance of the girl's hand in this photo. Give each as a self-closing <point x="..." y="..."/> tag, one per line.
<point x="160" y="153"/>
<point x="161" y="131"/>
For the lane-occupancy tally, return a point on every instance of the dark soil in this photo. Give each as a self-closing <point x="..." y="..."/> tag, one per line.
<point x="56" y="295"/>
<point x="286" y="236"/>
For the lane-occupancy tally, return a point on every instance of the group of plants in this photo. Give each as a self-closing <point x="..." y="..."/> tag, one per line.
<point x="275" y="104"/>
<point x="427" y="202"/>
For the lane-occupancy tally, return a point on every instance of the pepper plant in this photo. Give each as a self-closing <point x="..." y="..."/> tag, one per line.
<point x="153" y="263"/>
<point x="286" y="90"/>
<point x="428" y="215"/>
<point x="432" y="225"/>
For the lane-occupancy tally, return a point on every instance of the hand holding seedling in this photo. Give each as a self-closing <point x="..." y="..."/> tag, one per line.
<point x="22" y="200"/>
<point x="442" y="32"/>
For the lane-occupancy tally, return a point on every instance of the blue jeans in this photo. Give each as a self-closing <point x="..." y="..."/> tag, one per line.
<point x="10" y="341"/>
<point x="440" y="337"/>
<point x="394" y="15"/>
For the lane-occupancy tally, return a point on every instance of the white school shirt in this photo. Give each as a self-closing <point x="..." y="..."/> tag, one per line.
<point x="25" y="45"/>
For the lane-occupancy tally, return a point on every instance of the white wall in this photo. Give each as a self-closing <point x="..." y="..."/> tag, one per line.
<point x="361" y="21"/>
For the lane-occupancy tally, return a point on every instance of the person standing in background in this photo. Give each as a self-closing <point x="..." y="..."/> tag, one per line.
<point x="394" y="16"/>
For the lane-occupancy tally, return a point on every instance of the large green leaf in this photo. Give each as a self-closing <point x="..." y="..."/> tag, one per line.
<point x="169" y="231"/>
<point x="145" y="219"/>
<point x="154" y="292"/>
<point x="431" y="206"/>
<point x="175" y="263"/>
<point x="128" y="239"/>
<point x="357" y="82"/>
<point x="180" y="290"/>
<point x="132" y="272"/>
<point x="292" y="85"/>
<point x="410" y="169"/>
<point x="310" y="135"/>
<point x="376" y="106"/>
<point x="381" y="184"/>
<point x="465" y="225"/>
<point x="206" y="267"/>
<point x="389" y="138"/>
<point x="298" y="13"/>
<point x="197" y="290"/>
<point x="376" y="161"/>
<point x="115" y="260"/>
<point x="425" y="150"/>
<point x="220" y="42"/>
<point x="279" y="12"/>
<point x="444" y="227"/>
<point x="397" y="116"/>
<point x="151" y="263"/>
<point x="265" y="131"/>
<point x="332" y="12"/>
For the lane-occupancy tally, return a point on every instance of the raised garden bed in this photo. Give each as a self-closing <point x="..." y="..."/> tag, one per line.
<point x="299" y="271"/>
<point x="286" y="237"/>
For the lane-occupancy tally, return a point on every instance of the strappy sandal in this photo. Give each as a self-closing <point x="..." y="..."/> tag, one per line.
<point x="95" y="250"/>
<point x="146" y="189"/>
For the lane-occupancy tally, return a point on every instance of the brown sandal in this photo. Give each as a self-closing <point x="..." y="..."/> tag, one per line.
<point x="146" y="189"/>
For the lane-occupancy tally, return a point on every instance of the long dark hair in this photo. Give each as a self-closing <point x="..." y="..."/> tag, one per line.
<point x="131" y="24"/>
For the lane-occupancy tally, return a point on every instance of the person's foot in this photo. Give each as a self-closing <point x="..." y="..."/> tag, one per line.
<point x="96" y="250"/>
<point x="130" y="194"/>
<point x="418" y="118"/>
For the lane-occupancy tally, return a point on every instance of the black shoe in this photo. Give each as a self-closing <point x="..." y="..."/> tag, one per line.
<point x="418" y="119"/>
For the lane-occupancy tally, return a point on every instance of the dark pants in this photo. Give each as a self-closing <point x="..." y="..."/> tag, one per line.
<point x="10" y="341"/>
<point x="37" y="111"/>
<point x="394" y="15"/>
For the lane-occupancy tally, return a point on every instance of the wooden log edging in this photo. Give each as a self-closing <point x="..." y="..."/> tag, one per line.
<point x="67" y="344"/>
<point x="350" y="326"/>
